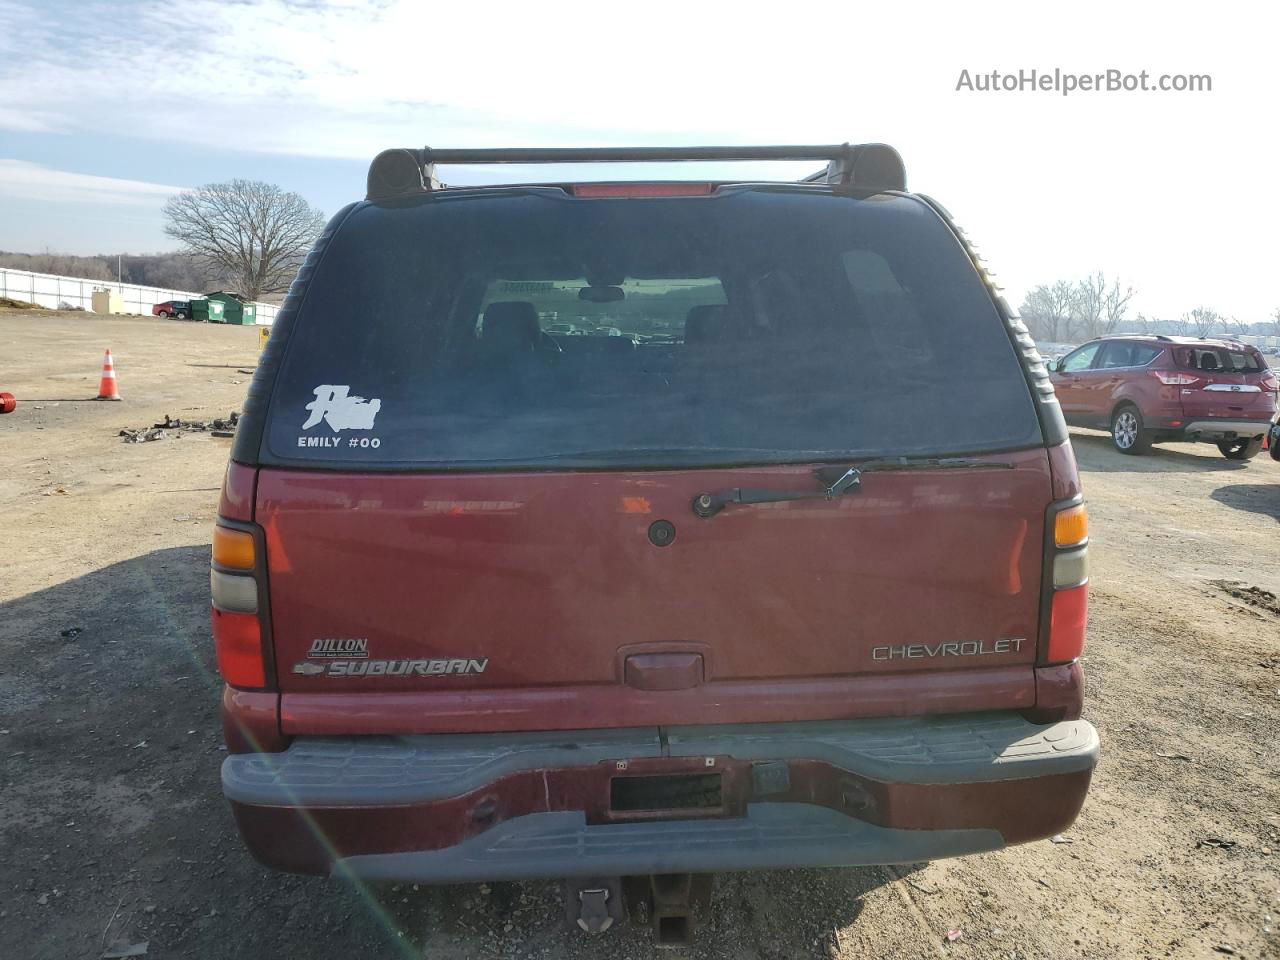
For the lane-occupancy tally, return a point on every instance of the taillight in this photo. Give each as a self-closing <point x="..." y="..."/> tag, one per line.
<point x="233" y="548"/>
<point x="237" y="626"/>
<point x="1270" y="383"/>
<point x="237" y="640"/>
<point x="641" y="189"/>
<point x="1068" y="583"/>
<point x="1071" y="526"/>
<point x="1174" y="379"/>
<point x="1067" y="621"/>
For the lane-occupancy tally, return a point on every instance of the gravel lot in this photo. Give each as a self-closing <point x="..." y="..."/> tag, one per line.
<point x="114" y="829"/>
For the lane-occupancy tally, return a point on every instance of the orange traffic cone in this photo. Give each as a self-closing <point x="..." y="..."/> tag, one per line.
<point x="107" y="388"/>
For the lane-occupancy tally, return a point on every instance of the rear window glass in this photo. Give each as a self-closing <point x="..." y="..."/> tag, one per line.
<point x="531" y="328"/>
<point x="1211" y="359"/>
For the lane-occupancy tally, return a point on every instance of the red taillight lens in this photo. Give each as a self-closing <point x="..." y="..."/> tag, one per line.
<point x="1067" y="620"/>
<point x="237" y="641"/>
<point x="1270" y="383"/>
<point x="1170" y="379"/>
<point x="641" y="189"/>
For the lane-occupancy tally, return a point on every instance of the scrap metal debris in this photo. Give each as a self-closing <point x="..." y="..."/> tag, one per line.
<point x="1215" y="842"/>
<point x="218" y="427"/>
<point x="141" y="436"/>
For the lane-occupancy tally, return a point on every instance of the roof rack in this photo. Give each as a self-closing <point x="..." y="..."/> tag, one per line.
<point x="404" y="172"/>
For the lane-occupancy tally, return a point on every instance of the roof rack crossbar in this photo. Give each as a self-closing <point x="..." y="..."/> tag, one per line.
<point x="400" y="172"/>
<point x="631" y="154"/>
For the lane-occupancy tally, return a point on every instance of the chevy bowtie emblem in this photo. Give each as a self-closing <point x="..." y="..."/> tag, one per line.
<point x="308" y="669"/>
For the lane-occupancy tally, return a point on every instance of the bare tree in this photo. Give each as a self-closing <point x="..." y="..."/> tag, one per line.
<point x="1238" y="328"/>
<point x="1115" y="304"/>
<point x="1062" y="305"/>
<point x="253" y="233"/>
<point x="64" y="265"/>
<point x="1275" y="323"/>
<point x="1146" y="325"/>
<point x="1049" y="310"/>
<point x="1035" y="313"/>
<point x="1090" y="305"/>
<point x="1202" y="320"/>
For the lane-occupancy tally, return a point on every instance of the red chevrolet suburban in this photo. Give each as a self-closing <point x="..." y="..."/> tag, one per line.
<point x="778" y="561"/>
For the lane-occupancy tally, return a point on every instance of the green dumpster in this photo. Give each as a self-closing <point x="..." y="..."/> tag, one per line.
<point x="234" y="308"/>
<point x="207" y="310"/>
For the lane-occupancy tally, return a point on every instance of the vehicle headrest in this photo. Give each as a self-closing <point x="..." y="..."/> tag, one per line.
<point x="510" y="324"/>
<point x="705" y="324"/>
<point x="1208" y="361"/>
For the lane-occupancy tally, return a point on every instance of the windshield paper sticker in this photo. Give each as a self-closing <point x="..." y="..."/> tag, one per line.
<point x="334" y="406"/>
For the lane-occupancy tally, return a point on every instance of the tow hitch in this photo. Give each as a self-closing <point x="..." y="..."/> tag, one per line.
<point x="672" y="901"/>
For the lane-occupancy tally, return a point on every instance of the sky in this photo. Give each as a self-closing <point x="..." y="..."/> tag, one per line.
<point x="107" y="108"/>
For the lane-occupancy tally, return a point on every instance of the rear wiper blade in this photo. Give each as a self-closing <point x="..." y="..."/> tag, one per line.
<point x="835" y="481"/>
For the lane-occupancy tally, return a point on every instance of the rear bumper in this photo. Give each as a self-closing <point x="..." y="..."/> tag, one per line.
<point x="455" y="808"/>
<point x="1223" y="429"/>
<point x="770" y="836"/>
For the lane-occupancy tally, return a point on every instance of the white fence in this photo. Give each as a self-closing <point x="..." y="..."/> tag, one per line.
<point x="61" y="293"/>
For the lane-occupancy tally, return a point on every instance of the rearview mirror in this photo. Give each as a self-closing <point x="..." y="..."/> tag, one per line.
<point x="602" y="294"/>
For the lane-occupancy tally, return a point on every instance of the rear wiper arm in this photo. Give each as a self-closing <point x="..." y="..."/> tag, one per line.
<point x="835" y="482"/>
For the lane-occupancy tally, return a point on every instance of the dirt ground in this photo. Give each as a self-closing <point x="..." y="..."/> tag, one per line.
<point x="114" y="829"/>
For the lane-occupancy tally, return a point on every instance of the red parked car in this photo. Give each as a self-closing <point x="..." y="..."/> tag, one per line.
<point x="1149" y="390"/>
<point x="722" y="592"/>
<point x="172" y="308"/>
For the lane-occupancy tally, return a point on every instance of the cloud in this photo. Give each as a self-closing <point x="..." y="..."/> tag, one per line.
<point x="31" y="181"/>
<point x="345" y="79"/>
<point x="1136" y="184"/>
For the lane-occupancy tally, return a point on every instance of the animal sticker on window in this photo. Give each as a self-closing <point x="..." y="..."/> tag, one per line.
<point x="342" y="412"/>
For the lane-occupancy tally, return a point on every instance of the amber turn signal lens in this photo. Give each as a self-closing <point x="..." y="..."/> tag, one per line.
<point x="233" y="548"/>
<point x="1070" y="526"/>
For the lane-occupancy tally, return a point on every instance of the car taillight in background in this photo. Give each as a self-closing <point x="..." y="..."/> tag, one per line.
<point x="1069" y="568"/>
<point x="1170" y="379"/>
<point x="234" y="587"/>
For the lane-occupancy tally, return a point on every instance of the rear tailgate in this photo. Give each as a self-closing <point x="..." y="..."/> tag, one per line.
<point x="549" y="583"/>
<point x="1237" y="389"/>
<point x="458" y="507"/>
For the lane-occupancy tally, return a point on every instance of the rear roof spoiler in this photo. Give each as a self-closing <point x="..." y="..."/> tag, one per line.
<point x="403" y="172"/>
